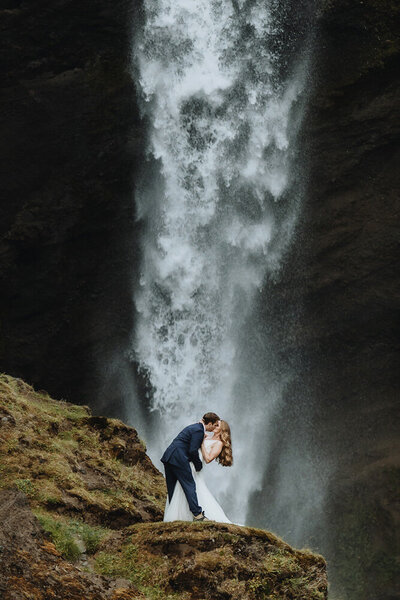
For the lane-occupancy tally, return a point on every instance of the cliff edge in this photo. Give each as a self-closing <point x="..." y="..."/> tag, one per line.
<point x="81" y="507"/>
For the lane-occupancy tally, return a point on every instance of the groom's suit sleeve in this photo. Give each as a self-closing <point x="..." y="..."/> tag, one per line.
<point x="195" y="443"/>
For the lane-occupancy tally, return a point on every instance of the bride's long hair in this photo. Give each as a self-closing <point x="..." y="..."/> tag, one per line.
<point x="225" y="457"/>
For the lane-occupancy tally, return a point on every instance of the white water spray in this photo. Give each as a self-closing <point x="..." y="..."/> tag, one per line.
<point x="216" y="218"/>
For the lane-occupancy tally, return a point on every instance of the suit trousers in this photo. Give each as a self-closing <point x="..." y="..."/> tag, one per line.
<point x="184" y="475"/>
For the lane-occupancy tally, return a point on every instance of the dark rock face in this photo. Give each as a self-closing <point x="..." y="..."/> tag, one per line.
<point x="353" y="295"/>
<point x="70" y="145"/>
<point x="333" y="318"/>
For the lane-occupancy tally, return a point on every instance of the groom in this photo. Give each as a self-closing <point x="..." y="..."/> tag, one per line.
<point x="177" y="458"/>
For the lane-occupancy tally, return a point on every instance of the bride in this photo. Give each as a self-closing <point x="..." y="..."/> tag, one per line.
<point x="218" y="447"/>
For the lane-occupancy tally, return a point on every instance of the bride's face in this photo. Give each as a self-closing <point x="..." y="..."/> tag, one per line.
<point x="217" y="428"/>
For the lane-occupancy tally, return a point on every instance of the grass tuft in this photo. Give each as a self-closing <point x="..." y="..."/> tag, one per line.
<point x="26" y="486"/>
<point x="129" y="564"/>
<point x="65" y="534"/>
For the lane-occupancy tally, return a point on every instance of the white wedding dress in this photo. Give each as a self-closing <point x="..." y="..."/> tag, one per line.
<point x="178" y="508"/>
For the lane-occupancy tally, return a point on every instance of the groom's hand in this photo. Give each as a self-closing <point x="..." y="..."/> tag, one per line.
<point x="200" y="466"/>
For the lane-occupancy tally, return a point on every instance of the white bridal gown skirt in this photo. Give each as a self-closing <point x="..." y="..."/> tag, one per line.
<point x="178" y="508"/>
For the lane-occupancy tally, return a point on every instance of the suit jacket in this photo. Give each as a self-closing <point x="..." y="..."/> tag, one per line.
<point x="185" y="447"/>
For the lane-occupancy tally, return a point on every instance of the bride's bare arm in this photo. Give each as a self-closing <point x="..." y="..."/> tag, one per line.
<point x="215" y="451"/>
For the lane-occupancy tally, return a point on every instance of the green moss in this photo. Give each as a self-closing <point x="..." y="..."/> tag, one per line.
<point x="60" y="536"/>
<point x="128" y="564"/>
<point x="281" y="562"/>
<point x="218" y="562"/>
<point x="63" y="454"/>
<point x="11" y="446"/>
<point x="26" y="486"/>
<point x="228" y="537"/>
<point x="65" y="534"/>
<point x="260" y="588"/>
<point x="119" y="565"/>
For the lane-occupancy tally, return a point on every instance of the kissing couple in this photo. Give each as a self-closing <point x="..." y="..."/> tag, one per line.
<point x="188" y="495"/>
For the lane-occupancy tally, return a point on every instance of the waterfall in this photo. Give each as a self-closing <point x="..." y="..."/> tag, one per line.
<point x="218" y="202"/>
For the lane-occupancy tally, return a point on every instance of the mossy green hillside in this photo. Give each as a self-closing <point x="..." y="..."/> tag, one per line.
<point x="211" y="561"/>
<point x="75" y="464"/>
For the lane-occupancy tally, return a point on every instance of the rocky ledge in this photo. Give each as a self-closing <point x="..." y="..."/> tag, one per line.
<point x="80" y="507"/>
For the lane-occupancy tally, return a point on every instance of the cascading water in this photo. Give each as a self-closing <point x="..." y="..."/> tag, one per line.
<point x="218" y="206"/>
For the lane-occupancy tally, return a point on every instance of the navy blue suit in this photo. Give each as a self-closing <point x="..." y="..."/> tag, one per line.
<point x="177" y="458"/>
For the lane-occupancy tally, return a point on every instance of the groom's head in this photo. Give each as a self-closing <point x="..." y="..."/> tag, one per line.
<point x="210" y="421"/>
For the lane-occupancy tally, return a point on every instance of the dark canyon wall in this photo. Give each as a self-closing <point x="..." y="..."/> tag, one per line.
<point x="353" y="298"/>
<point x="333" y="317"/>
<point x="70" y="145"/>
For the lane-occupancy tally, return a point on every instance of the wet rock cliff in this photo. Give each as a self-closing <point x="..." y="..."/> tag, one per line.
<point x="352" y="297"/>
<point x="80" y="509"/>
<point x="70" y="146"/>
<point x="333" y="315"/>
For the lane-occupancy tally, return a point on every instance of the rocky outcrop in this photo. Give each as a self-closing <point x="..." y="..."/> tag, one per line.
<point x="31" y="567"/>
<point x="80" y="517"/>
<point x="215" y="562"/>
<point x="74" y="464"/>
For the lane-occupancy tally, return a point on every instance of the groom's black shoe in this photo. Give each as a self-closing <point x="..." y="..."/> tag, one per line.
<point x="201" y="517"/>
